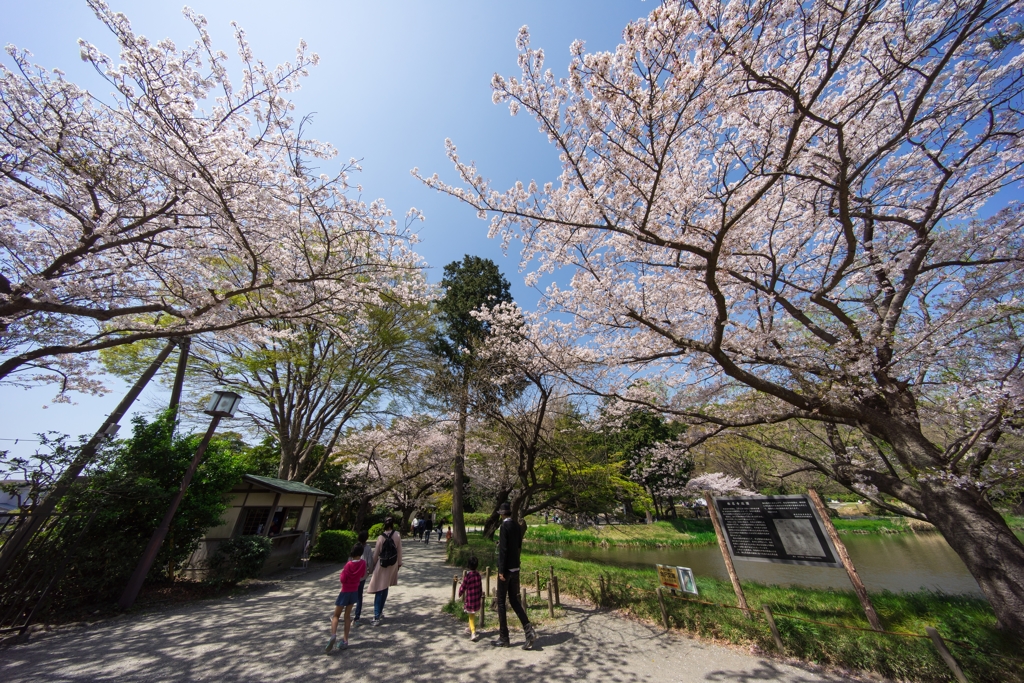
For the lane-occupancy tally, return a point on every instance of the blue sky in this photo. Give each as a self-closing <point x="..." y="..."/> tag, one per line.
<point x="395" y="79"/>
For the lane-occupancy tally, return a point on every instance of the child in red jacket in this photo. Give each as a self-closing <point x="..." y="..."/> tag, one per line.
<point x="351" y="575"/>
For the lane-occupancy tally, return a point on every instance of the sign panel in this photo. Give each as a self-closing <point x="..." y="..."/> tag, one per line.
<point x="783" y="529"/>
<point x="677" y="578"/>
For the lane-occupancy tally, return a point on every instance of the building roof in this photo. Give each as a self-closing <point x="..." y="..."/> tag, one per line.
<point x="282" y="486"/>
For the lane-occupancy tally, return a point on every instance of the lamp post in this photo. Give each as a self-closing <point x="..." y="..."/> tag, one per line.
<point x="222" y="404"/>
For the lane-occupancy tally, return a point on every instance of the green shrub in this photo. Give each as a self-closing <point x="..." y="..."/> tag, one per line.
<point x="238" y="558"/>
<point x="333" y="545"/>
<point x="124" y="498"/>
<point x="375" y="531"/>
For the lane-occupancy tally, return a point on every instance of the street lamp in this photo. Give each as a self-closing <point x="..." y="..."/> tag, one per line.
<point x="222" y="404"/>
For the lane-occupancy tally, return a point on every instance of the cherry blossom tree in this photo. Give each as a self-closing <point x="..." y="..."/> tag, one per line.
<point x="802" y="199"/>
<point x="399" y="464"/>
<point x="181" y="203"/>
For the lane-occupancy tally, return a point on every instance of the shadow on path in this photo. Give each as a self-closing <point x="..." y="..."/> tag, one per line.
<point x="279" y="635"/>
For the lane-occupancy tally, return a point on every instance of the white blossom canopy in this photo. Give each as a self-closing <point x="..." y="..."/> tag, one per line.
<point x="181" y="203"/>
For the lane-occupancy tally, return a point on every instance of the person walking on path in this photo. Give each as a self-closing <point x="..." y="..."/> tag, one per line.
<point x="471" y="592"/>
<point x="368" y="559"/>
<point x="351" y="574"/>
<point x="387" y="560"/>
<point x="510" y="543"/>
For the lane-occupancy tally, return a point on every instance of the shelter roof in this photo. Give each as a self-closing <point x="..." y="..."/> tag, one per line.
<point x="283" y="486"/>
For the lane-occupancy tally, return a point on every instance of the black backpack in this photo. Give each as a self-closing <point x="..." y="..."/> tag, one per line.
<point x="388" y="551"/>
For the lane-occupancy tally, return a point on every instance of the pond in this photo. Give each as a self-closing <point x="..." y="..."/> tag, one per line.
<point x="903" y="562"/>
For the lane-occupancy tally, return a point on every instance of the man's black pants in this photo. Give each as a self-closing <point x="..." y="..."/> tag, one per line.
<point x="510" y="588"/>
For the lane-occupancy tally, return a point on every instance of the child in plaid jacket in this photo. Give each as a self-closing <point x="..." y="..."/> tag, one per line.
<point x="472" y="594"/>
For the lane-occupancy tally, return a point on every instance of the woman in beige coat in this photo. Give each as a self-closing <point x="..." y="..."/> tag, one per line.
<point x="384" y="577"/>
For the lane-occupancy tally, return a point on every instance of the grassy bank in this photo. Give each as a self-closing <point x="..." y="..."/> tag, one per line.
<point x="957" y="618"/>
<point x="679" y="533"/>
<point x="675" y="533"/>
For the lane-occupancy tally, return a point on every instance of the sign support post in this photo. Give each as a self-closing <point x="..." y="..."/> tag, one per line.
<point x="741" y="599"/>
<point x="851" y="571"/>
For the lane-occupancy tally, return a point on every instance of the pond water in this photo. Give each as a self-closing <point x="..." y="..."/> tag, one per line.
<point x="904" y="562"/>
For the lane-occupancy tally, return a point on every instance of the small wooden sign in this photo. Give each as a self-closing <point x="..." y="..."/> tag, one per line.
<point x="677" y="578"/>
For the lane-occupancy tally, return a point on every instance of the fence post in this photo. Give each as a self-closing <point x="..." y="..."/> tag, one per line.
<point x="524" y="598"/>
<point x="487" y="593"/>
<point x="537" y="577"/>
<point x="600" y="599"/>
<point x="741" y="599"/>
<point x="944" y="652"/>
<point x="483" y="611"/>
<point x="551" y="602"/>
<point x="851" y="571"/>
<point x="455" y="585"/>
<point x="664" y="610"/>
<point x="558" y="599"/>
<point x="775" y="629"/>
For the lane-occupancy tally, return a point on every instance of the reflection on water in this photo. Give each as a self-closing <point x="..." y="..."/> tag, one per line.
<point x="905" y="562"/>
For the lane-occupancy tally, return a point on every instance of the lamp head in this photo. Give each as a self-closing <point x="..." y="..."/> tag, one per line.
<point x="223" y="404"/>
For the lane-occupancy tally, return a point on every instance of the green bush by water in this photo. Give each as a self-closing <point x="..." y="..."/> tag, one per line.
<point x="958" y="618"/>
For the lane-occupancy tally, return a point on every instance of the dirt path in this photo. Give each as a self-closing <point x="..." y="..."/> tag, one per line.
<point x="279" y="635"/>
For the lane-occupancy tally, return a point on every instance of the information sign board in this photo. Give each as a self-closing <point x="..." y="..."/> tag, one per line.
<point x="677" y="578"/>
<point x="783" y="529"/>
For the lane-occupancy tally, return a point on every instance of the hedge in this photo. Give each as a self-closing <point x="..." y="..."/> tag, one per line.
<point x="334" y="545"/>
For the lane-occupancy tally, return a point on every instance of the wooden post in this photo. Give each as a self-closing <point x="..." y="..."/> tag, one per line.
<point x="487" y="593"/>
<point x="42" y="510"/>
<point x="558" y="599"/>
<point x="741" y="599"/>
<point x="138" y="577"/>
<point x="455" y="586"/>
<point x="483" y="611"/>
<point x="944" y="652"/>
<point x="775" y="629"/>
<point x="179" y="376"/>
<point x="536" y="575"/>
<point x="664" y="610"/>
<point x="524" y="597"/>
<point x="600" y="599"/>
<point x="551" y="602"/>
<point x="851" y="571"/>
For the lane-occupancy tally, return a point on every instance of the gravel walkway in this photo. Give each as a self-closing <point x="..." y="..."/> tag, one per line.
<point x="279" y="635"/>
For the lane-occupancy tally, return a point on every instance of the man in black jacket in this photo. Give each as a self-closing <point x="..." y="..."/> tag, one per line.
<point x="510" y="542"/>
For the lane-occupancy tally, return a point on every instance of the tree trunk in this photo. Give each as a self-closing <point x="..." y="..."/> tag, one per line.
<point x="458" y="519"/>
<point x="991" y="551"/>
<point x="361" y="511"/>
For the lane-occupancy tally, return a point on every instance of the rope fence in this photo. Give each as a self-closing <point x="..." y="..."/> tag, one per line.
<point x="603" y="595"/>
<point x="600" y="593"/>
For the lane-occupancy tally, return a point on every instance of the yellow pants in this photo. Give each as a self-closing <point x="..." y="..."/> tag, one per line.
<point x="472" y="623"/>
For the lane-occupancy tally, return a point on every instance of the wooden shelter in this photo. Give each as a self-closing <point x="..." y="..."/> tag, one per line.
<point x="285" y="511"/>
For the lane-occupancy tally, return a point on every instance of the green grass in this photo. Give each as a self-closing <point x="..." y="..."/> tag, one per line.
<point x="674" y="533"/>
<point x="887" y="525"/>
<point x="957" y="618"/>
<point x="681" y="532"/>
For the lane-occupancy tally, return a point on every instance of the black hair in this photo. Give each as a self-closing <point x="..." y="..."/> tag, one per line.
<point x="364" y="536"/>
<point x="356" y="552"/>
<point x="389" y="523"/>
<point x="472" y="563"/>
